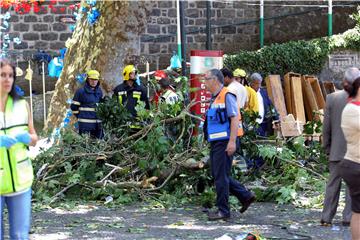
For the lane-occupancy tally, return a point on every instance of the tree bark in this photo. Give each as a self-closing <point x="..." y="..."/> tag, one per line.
<point x="112" y="42"/>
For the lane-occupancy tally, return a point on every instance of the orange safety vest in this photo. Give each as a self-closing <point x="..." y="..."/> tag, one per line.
<point x="217" y="120"/>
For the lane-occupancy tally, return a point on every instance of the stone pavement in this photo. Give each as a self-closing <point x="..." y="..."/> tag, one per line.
<point x="145" y="222"/>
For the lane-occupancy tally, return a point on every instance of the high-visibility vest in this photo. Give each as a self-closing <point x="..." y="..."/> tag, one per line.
<point x="218" y="123"/>
<point x="16" y="172"/>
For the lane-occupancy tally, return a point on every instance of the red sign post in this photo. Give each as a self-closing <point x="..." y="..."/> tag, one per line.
<point x="201" y="62"/>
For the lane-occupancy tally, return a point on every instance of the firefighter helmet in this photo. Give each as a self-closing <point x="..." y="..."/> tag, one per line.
<point x="127" y="70"/>
<point x="239" y="73"/>
<point x="93" y="74"/>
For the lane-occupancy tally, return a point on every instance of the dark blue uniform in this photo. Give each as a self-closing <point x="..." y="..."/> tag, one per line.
<point x="270" y="114"/>
<point x="84" y="108"/>
<point x="130" y="96"/>
<point x="221" y="163"/>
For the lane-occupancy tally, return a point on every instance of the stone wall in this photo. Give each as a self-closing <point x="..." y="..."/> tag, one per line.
<point x="38" y="109"/>
<point x="44" y="30"/>
<point x="336" y="65"/>
<point x="296" y="23"/>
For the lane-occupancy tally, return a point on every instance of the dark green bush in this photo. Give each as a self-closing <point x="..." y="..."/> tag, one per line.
<point x="304" y="57"/>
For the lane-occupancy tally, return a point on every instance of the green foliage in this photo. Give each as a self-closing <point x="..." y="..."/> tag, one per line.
<point x="113" y="114"/>
<point x="304" y="57"/>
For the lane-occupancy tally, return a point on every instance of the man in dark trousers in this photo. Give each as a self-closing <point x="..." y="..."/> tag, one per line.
<point x="335" y="147"/>
<point x="84" y="105"/>
<point x="130" y="93"/>
<point x="222" y="130"/>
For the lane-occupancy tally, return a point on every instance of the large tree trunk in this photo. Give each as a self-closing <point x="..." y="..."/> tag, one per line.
<point x="112" y="42"/>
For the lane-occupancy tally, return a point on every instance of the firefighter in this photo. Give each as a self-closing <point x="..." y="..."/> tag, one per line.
<point x="167" y="92"/>
<point x="84" y="106"/>
<point x="129" y="93"/>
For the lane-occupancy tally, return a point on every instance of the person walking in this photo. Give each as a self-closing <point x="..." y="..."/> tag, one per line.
<point x="222" y="130"/>
<point x="17" y="133"/>
<point x="84" y="105"/>
<point x="335" y="147"/>
<point x="350" y="166"/>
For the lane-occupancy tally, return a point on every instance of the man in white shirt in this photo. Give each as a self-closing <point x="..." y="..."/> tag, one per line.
<point x="235" y="87"/>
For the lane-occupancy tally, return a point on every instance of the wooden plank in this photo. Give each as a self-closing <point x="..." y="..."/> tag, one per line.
<point x="310" y="103"/>
<point x="329" y="87"/>
<point x="275" y="91"/>
<point x="287" y="87"/>
<point x="297" y="99"/>
<point x="314" y="82"/>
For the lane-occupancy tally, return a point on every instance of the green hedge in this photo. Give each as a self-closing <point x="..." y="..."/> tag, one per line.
<point x="304" y="57"/>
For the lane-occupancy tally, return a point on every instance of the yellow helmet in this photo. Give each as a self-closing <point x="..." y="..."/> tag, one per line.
<point x="127" y="70"/>
<point x="239" y="73"/>
<point x="93" y="74"/>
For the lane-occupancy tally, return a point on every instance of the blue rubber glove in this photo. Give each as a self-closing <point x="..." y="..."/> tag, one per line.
<point x="7" y="141"/>
<point x="23" y="137"/>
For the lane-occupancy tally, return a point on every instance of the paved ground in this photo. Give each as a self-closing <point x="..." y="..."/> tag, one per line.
<point x="141" y="221"/>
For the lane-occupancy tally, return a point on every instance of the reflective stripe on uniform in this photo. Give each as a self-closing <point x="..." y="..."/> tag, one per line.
<point x="75" y="102"/>
<point x="137" y="94"/>
<point x="83" y="120"/>
<point x="87" y="109"/>
<point x="75" y="112"/>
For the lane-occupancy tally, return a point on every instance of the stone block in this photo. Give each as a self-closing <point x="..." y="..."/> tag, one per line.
<point x="192" y="5"/>
<point x="59" y="27"/>
<point x="57" y="45"/>
<point x="192" y="13"/>
<point x="48" y="18"/>
<point x="163" y="20"/>
<point x="163" y="29"/>
<point x="30" y="18"/>
<point x="165" y="4"/>
<point x="22" y="45"/>
<point x="172" y="13"/>
<point x="31" y="36"/>
<point x="191" y="22"/>
<point x="200" y="22"/>
<point x="163" y="48"/>
<point x="240" y="13"/>
<point x="154" y="48"/>
<point x="189" y="39"/>
<point x="220" y="21"/>
<point x="153" y="29"/>
<point x="201" y="4"/>
<point x="41" y="45"/>
<point x="219" y="5"/>
<point x="58" y="18"/>
<point x="14" y="35"/>
<point x="65" y="36"/>
<point x="229" y="13"/>
<point x="51" y="36"/>
<point x="21" y="27"/>
<point x="228" y="30"/>
<point x="155" y="12"/>
<point x="171" y="29"/>
<point x="200" y="38"/>
<point x="14" y="18"/>
<point x="40" y="27"/>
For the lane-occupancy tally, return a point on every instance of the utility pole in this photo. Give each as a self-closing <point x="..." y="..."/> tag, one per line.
<point x="261" y="23"/>
<point x="208" y="25"/>
<point x="183" y="38"/>
<point x="330" y="25"/>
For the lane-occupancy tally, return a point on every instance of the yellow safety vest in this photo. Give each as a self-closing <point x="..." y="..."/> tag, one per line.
<point x="16" y="172"/>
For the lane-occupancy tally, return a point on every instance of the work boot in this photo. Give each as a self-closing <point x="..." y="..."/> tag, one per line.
<point x="247" y="203"/>
<point x="217" y="215"/>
